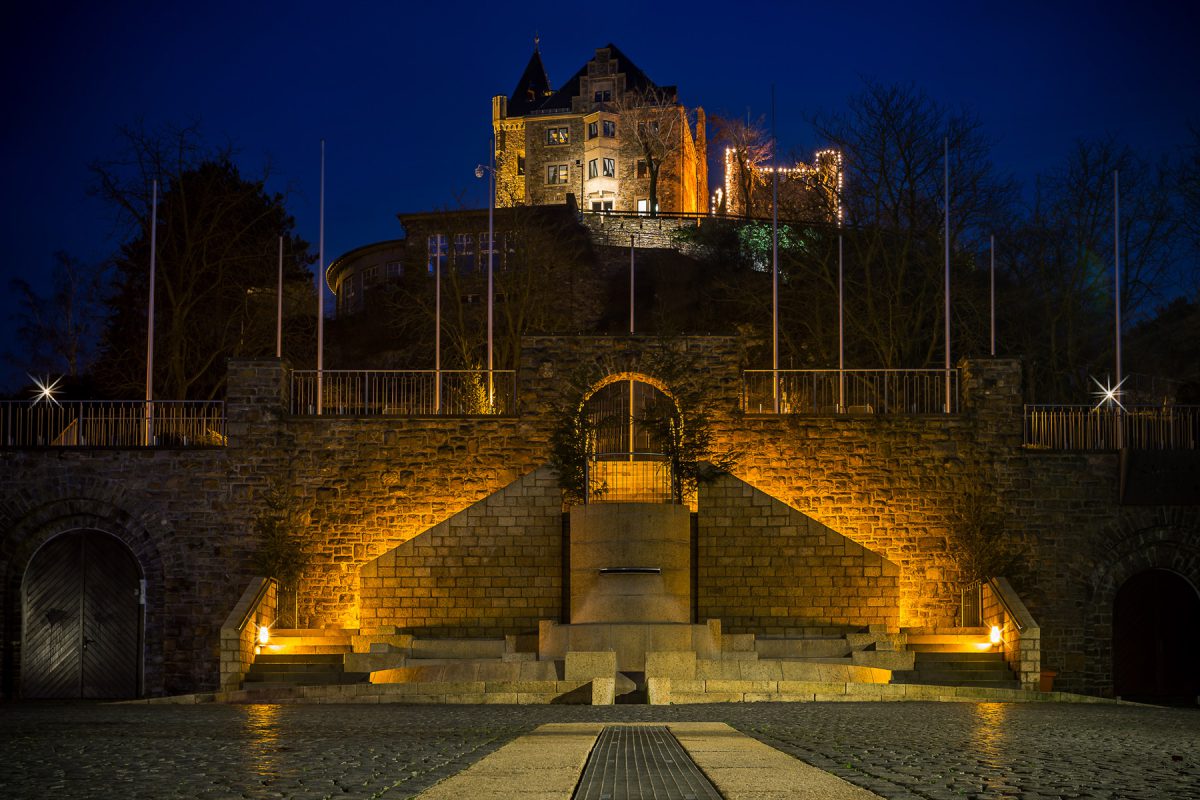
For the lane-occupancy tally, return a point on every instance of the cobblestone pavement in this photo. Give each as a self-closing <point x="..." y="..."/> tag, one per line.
<point x="898" y="750"/>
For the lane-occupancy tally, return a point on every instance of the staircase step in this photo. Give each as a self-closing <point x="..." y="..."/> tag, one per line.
<point x="306" y="678"/>
<point x="973" y="646"/>
<point x="299" y="658"/>
<point x="991" y="684"/>
<point x="284" y="648"/>
<point x="964" y="658"/>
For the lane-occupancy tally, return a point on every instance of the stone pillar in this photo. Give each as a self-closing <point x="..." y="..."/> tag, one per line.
<point x="991" y="392"/>
<point x="256" y="397"/>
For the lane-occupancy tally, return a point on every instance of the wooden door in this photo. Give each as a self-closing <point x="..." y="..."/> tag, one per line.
<point x="82" y="621"/>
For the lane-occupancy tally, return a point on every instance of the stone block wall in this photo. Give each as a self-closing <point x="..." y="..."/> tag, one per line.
<point x="493" y="569"/>
<point x="764" y="567"/>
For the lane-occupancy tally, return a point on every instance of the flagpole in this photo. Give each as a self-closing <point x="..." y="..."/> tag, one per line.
<point x="631" y="267"/>
<point x="437" y="334"/>
<point x="1117" y="294"/>
<point x="993" y="295"/>
<point x="774" y="263"/>
<point x="279" y="306"/>
<point x="841" y="336"/>
<point x="491" y="254"/>
<point x="149" y="434"/>
<point x="321" y="293"/>
<point x="946" y="236"/>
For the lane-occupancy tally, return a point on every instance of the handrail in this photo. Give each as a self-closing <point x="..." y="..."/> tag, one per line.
<point x="855" y="392"/>
<point x="252" y="609"/>
<point x="404" y="393"/>
<point x="1135" y="427"/>
<point x="1020" y="617"/>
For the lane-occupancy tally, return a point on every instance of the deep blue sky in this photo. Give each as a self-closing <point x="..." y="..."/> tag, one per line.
<point x="401" y="92"/>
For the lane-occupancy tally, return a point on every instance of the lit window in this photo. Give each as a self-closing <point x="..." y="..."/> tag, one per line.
<point x="557" y="135"/>
<point x="610" y="168"/>
<point x="592" y="168"/>
<point x="556" y="174"/>
<point x="591" y="130"/>
<point x="610" y="128"/>
<point x="643" y="207"/>
<point x="520" y="165"/>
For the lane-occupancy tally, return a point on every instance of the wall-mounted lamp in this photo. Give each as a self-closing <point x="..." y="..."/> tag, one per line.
<point x="264" y="634"/>
<point x="995" y="634"/>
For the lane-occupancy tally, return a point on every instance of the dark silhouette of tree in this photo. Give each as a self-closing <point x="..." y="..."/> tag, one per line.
<point x="58" y="331"/>
<point x="653" y="119"/>
<point x="217" y="262"/>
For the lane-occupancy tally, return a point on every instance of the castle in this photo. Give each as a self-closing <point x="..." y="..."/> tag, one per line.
<point x="609" y="134"/>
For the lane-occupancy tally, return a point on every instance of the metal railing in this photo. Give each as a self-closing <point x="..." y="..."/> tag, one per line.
<point x="970" y="609"/>
<point x="112" y="423"/>
<point x="405" y="393"/>
<point x="1134" y="427"/>
<point x="629" y="478"/>
<point x="851" y="391"/>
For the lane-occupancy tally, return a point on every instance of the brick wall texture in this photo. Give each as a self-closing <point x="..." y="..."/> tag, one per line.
<point x="363" y="487"/>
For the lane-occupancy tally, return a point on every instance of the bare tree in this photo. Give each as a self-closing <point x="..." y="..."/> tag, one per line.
<point x="745" y="146"/>
<point x="59" y="330"/>
<point x="217" y="240"/>
<point x="1062" y="264"/>
<point x="891" y="139"/>
<point x="653" y="119"/>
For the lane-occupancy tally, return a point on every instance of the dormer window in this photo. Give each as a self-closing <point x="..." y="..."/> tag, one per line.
<point x="604" y="96"/>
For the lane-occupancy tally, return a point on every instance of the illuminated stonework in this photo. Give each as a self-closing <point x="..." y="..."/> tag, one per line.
<point x="806" y="191"/>
<point x="584" y="139"/>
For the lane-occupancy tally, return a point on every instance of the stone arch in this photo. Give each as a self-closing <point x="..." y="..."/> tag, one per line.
<point x="21" y="541"/>
<point x="1156" y="638"/>
<point x="615" y="414"/>
<point x="1172" y="545"/>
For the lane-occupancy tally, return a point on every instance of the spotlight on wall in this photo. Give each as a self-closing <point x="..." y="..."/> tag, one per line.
<point x="995" y="634"/>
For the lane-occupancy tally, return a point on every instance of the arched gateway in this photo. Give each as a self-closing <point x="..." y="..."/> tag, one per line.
<point x="82" y="619"/>
<point x="1156" y="639"/>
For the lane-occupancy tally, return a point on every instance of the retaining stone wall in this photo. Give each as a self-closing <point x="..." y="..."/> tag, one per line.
<point x="492" y="569"/>
<point x="763" y="567"/>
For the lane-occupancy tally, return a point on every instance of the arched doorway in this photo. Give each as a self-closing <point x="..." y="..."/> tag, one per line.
<point x="82" y="620"/>
<point x="629" y="418"/>
<point x="1156" y="639"/>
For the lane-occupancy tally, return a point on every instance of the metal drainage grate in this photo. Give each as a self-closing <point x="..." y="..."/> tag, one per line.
<point x="641" y="761"/>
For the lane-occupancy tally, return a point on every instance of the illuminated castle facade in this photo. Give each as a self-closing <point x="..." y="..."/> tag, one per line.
<point x="599" y="138"/>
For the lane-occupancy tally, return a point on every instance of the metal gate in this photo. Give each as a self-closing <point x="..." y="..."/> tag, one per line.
<point x="620" y="415"/>
<point x="82" y="619"/>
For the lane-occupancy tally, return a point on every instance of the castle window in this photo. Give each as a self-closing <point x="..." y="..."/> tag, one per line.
<point x="610" y="128"/>
<point x="641" y="169"/>
<point x="602" y="205"/>
<point x="558" y="135"/>
<point x="438" y="246"/>
<point x="604" y="96"/>
<point x="520" y="165"/>
<point x="394" y="269"/>
<point x="592" y="168"/>
<point x="464" y="252"/>
<point x="556" y="174"/>
<point x="592" y="130"/>
<point x="610" y="168"/>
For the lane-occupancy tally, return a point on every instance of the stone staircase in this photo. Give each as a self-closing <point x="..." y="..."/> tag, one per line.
<point x="960" y="657"/>
<point x="303" y="657"/>
<point x="874" y="647"/>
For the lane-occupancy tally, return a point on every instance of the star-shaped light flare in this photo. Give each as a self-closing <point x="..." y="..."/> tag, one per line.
<point x="45" y="389"/>
<point x="1109" y="394"/>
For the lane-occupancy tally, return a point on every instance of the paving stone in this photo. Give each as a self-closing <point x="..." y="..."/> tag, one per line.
<point x="900" y="751"/>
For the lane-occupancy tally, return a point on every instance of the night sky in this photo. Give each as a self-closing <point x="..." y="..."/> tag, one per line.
<point x="402" y="94"/>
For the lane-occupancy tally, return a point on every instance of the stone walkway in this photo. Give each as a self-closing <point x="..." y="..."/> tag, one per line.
<point x="902" y="750"/>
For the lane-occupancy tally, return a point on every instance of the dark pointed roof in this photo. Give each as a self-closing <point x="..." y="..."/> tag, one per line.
<point x="532" y="88"/>
<point x="543" y="99"/>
